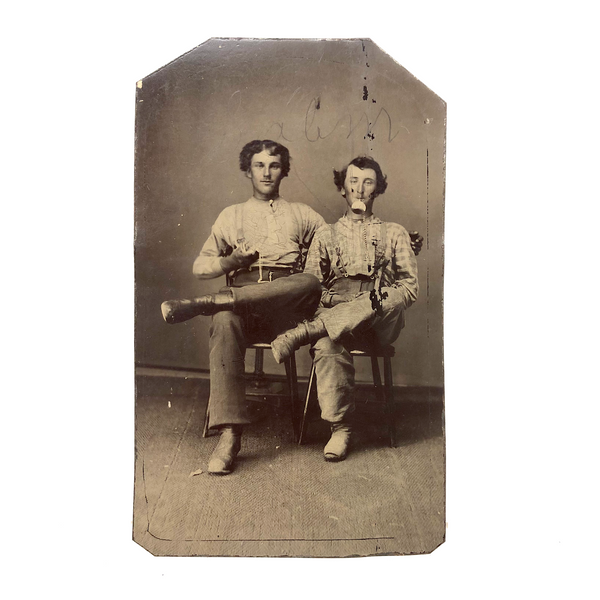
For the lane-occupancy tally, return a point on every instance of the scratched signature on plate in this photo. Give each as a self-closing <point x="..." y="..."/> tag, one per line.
<point x="313" y="132"/>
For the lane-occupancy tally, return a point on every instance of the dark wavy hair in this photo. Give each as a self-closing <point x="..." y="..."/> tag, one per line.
<point x="273" y="148"/>
<point x="362" y="162"/>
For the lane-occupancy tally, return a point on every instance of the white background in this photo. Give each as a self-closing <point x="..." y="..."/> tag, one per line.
<point x="521" y="295"/>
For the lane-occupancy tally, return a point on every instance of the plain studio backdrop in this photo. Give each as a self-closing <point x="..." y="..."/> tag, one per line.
<point x="520" y="327"/>
<point x="328" y="102"/>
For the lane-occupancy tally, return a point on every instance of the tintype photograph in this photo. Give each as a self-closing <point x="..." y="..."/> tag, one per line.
<point x="289" y="219"/>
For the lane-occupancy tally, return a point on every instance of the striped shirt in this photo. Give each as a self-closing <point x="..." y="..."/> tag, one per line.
<point x="366" y="248"/>
<point x="281" y="232"/>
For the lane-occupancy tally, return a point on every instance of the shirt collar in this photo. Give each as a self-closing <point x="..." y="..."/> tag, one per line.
<point x="346" y="220"/>
<point x="254" y="202"/>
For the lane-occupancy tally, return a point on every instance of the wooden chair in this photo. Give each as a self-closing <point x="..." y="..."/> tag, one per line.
<point x="261" y="389"/>
<point x="385" y="392"/>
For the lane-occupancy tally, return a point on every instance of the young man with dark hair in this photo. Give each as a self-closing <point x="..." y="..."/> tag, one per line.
<point x="261" y="245"/>
<point x="368" y="273"/>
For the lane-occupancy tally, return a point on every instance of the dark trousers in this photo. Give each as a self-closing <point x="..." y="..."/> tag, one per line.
<point x="262" y="311"/>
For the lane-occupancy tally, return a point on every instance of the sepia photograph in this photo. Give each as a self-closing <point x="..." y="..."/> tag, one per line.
<point x="282" y="283"/>
<point x="289" y="208"/>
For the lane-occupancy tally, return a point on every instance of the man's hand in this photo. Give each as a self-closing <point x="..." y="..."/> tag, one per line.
<point x="242" y="256"/>
<point x="416" y="242"/>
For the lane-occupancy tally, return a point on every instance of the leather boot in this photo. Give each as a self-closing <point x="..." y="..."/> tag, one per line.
<point x="284" y="345"/>
<point x="337" y="446"/>
<point x="177" y="311"/>
<point x="223" y="456"/>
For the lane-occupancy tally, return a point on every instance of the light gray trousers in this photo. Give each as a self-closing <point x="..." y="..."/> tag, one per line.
<point x="349" y="324"/>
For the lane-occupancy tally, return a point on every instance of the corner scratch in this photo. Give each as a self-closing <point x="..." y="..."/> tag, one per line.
<point x="295" y="92"/>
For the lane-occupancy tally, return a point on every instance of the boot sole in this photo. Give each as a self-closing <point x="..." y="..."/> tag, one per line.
<point x="332" y="458"/>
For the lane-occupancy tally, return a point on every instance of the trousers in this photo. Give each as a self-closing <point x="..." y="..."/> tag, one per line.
<point x="261" y="312"/>
<point x="348" y="324"/>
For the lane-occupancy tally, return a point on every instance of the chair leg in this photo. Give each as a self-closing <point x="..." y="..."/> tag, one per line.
<point x="206" y="417"/>
<point x="294" y="393"/>
<point x="294" y="390"/>
<point x="292" y="380"/>
<point x="258" y="380"/>
<point x="389" y="398"/>
<point x="311" y="380"/>
<point x="377" y="379"/>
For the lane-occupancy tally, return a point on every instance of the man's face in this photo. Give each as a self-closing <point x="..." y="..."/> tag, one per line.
<point x="359" y="187"/>
<point x="265" y="173"/>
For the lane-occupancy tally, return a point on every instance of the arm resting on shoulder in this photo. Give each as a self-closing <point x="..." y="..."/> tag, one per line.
<point x="405" y="289"/>
<point x="318" y="264"/>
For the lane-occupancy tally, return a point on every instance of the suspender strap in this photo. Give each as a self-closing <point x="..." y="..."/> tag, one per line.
<point x="383" y="230"/>
<point x="338" y="250"/>
<point x="380" y="261"/>
<point x="239" y="223"/>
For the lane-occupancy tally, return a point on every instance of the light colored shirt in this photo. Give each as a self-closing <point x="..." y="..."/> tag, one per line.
<point x="281" y="232"/>
<point x="366" y="249"/>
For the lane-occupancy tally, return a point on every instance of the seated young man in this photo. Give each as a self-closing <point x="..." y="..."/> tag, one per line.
<point x="368" y="272"/>
<point x="261" y="244"/>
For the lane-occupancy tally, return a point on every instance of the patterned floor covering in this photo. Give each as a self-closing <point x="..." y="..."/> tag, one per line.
<point x="282" y="499"/>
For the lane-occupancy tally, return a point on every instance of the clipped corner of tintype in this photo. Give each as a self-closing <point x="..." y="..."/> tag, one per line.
<point x="289" y="206"/>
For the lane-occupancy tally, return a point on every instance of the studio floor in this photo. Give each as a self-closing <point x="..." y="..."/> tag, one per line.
<point x="284" y="499"/>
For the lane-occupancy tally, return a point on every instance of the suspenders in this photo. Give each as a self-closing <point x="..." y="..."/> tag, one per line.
<point x="239" y="224"/>
<point x="240" y="237"/>
<point x="380" y="261"/>
<point x="338" y="250"/>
